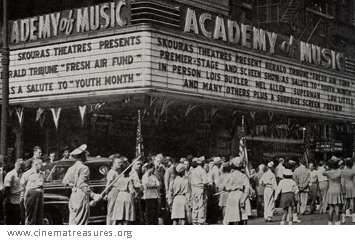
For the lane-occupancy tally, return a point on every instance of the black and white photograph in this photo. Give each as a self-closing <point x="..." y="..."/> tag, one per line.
<point x="177" y="112"/>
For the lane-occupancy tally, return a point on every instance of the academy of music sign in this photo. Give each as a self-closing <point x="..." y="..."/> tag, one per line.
<point x="91" y="65"/>
<point x="71" y="22"/>
<point x="247" y="69"/>
<point x="215" y="57"/>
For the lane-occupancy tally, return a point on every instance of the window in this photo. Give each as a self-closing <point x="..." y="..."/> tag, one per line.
<point x="268" y="11"/>
<point x="325" y="7"/>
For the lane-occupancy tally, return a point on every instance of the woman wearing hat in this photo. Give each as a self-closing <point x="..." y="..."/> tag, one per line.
<point x="222" y="182"/>
<point x="288" y="189"/>
<point x="334" y="194"/>
<point x="112" y="192"/>
<point x="124" y="211"/>
<point x="179" y="196"/>
<point x="347" y="179"/>
<point x="238" y="188"/>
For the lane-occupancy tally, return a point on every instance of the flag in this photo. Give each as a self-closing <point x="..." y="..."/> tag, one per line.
<point x="139" y="140"/>
<point x="306" y="153"/>
<point x="243" y="150"/>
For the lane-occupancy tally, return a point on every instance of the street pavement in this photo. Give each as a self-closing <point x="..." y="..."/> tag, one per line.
<point x="307" y="219"/>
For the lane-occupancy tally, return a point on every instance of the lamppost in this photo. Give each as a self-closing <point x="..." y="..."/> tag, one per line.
<point x="5" y="52"/>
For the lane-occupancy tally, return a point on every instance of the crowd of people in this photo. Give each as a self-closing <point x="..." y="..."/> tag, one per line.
<point x="160" y="189"/>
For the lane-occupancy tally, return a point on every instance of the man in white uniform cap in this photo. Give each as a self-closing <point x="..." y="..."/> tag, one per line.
<point x="269" y="181"/>
<point x="199" y="182"/>
<point x="77" y="177"/>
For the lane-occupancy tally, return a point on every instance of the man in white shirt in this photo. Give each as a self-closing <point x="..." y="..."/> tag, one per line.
<point x="323" y="187"/>
<point x="31" y="184"/>
<point x="268" y="180"/>
<point x="302" y="177"/>
<point x="260" y="190"/>
<point x="313" y="187"/>
<point x="12" y="195"/>
<point x="279" y="170"/>
<point x="199" y="181"/>
<point x="213" y="179"/>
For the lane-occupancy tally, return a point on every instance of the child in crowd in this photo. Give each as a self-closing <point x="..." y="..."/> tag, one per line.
<point x="288" y="189"/>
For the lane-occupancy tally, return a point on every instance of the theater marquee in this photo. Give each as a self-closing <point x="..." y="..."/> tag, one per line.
<point x="83" y="66"/>
<point x="161" y="60"/>
<point x="251" y="79"/>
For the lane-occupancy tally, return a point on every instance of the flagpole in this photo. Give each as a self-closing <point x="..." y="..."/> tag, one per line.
<point x="305" y="143"/>
<point x="139" y="147"/>
<point x="5" y="52"/>
<point x="243" y="149"/>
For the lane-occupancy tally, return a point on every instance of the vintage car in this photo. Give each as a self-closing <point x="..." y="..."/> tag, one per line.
<point x="56" y="196"/>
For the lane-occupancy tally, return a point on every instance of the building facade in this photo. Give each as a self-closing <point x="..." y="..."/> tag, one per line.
<point x="79" y="72"/>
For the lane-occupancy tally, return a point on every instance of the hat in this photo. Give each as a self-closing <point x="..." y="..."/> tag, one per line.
<point x="281" y="160"/>
<point x="261" y="166"/>
<point x="334" y="158"/>
<point x="198" y="160"/>
<point x="270" y="164"/>
<point x="158" y="157"/>
<point x="76" y="152"/>
<point x="180" y="168"/>
<point x="237" y="161"/>
<point x="164" y="161"/>
<point x="116" y="155"/>
<point x="348" y="159"/>
<point x="182" y="160"/>
<point x="226" y="164"/>
<point x="287" y="172"/>
<point x="217" y="160"/>
<point x="290" y="161"/>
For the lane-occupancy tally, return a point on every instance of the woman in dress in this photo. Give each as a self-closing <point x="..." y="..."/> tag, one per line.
<point x="124" y="211"/>
<point x="334" y="195"/>
<point x="347" y="181"/>
<point x="223" y="178"/>
<point x="238" y="188"/>
<point x="180" y="196"/>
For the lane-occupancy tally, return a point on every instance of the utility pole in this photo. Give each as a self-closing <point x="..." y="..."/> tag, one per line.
<point x="5" y="52"/>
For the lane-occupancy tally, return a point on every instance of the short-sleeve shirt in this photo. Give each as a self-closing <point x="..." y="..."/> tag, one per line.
<point x="150" y="185"/>
<point x="12" y="181"/>
<point x="111" y="176"/>
<point x="198" y="177"/>
<point x="31" y="180"/>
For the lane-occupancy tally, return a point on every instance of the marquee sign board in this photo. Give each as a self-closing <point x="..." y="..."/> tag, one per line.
<point x="215" y="70"/>
<point x="180" y="63"/>
<point x="82" y="66"/>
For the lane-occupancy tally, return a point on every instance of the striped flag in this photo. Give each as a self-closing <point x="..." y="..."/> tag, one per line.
<point x="243" y="150"/>
<point x="306" y="154"/>
<point x="139" y="140"/>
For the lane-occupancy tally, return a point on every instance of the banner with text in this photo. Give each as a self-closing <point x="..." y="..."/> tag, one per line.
<point x="249" y="78"/>
<point x="83" y="66"/>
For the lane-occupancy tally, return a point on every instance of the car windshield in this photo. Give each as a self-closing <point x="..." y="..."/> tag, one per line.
<point x="56" y="171"/>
